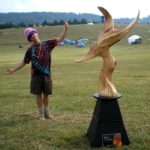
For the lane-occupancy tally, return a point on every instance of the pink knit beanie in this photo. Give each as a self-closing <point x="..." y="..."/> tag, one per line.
<point x="28" y="32"/>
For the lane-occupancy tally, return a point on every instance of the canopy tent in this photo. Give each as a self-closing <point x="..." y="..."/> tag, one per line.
<point x="134" y="39"/>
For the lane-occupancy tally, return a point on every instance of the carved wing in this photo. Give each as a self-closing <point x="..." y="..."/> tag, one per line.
<point x="113" y="36"/>
<point x="108" y="37"/>
<point x="108" y="24"/>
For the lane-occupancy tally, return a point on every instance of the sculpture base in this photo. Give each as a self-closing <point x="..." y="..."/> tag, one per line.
<point x="106" y="127"/>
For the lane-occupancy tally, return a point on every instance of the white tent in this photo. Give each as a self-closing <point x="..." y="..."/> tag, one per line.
<point x="134" y="39"/>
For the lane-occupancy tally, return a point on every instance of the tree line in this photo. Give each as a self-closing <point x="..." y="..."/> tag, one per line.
<point x="44" y="23"/>
<point x="8" y="20"/>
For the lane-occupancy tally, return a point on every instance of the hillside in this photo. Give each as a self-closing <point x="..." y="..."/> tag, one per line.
<point x="40" y="17"/>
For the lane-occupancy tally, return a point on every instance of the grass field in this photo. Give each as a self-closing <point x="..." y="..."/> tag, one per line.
<point x="72" y="103"/>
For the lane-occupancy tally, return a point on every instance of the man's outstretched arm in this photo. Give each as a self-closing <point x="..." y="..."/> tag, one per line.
<point x="14" y="69"/>
<point x="63" y="34"/>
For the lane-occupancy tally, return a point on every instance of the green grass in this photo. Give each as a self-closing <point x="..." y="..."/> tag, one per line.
<point x="72" y="103"/>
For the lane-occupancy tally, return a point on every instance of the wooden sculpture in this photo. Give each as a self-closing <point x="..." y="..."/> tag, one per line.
<point x="105" y="40"/>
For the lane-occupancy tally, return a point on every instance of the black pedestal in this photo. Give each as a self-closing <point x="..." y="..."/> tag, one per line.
<point x="106" y="127"/>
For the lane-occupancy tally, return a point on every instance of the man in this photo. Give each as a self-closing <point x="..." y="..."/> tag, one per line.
<point x="39" y="54"/>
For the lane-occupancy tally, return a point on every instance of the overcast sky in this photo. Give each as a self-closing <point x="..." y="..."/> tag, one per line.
<point x="117" y="8"/>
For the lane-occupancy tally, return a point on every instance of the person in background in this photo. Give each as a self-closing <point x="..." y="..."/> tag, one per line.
<point x="39" y="54"/>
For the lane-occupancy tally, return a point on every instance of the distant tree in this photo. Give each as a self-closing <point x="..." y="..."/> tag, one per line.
<point x="22" y="25"/>
<point x="102" y="19"/>
<point x="7" y="25"/>
<point x="83" y="21"/>
<point x="30" y="25"/>
<point x="2" y="26"/>
<point x="75" y="21"/>
<point x="61" y="22"/>
<point x="69" y="22"/>
<point x="55" y="23"/>
<point x="45" y="23"/>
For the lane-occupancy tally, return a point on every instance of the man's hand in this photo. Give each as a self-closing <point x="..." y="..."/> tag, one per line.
<point x="14" y="69"/>
<point x="10" y="71"/>
<point x="66" y="25"/>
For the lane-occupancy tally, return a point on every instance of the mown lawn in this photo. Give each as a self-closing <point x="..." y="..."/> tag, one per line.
<point x="72" y="103"/>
